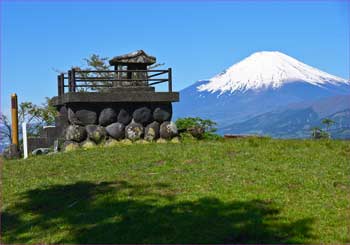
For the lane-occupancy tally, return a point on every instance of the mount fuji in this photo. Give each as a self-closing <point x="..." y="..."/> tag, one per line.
<point x="263" y="82"/>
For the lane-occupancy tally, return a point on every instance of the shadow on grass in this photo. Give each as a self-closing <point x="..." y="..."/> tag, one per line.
<point x="120" y="212"/>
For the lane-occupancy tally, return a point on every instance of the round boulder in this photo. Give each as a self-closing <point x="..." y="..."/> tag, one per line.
<point x="162" y="114"/>
<point x="96" y="133"/>
<point x="126" y="142"/>
<point x="63" y="111"/>
<point x="134" y="131"/>
<point x="152" y="131"/>
<point x="70" y="146"/>
<point x="161" y="141"/>
<point x="175" y="140"/>
<point x="124" y="117"/>
<point x="141" y="141"/>
<point x="196" y="131"/>
<point x="86" y="116"/>
<point x="72" y="118"/>
<point x="167" y="130"/>
<point x="116" y="130"/>
<point x="88" y="144"/>
<point x="111" y="142"/>
<point x="142" y="115"/>
<point x="62" y="118"/>
<point x="75" y="133"/>
<point x="107" y="116"/>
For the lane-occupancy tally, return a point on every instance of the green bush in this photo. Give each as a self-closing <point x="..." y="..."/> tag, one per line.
<point x="317" y="133"/>
<point x="185" y="124"/>
<point x="211" y="136"/>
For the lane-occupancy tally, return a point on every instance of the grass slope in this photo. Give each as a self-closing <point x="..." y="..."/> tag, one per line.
<point x="229" y="191"/>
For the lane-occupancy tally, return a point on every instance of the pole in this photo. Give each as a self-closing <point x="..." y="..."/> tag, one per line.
<point x="62" y="83"/>
<point x="170" y="81"/>
<point x="59" y="89"/>
<point x="70" y="81"/>
<point x="14" y="114"/>
<point x="25" y="142"/>
<point x="73" y="79"/>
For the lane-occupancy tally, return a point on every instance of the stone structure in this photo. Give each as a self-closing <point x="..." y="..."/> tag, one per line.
<point x="127" y="106"/>
<point x="134" y="61"/>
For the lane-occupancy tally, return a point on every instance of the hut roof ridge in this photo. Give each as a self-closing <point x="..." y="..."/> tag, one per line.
<point x="133" y="57"/>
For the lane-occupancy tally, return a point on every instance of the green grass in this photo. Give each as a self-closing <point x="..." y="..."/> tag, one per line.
<point x="229" y="191"/>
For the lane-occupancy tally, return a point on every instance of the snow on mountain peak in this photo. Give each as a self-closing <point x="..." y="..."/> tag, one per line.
<point x="267" y="69"/>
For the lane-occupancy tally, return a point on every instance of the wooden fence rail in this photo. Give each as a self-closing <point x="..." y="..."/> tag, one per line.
<point x="94" y="79"/>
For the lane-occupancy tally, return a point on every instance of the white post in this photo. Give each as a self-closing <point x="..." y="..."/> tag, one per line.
<point x="25" y="142"/>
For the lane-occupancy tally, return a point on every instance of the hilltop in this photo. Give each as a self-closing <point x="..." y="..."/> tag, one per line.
<point x="226" y="191"/>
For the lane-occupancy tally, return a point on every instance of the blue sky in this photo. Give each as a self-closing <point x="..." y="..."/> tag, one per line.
<point x="197" y="39"/>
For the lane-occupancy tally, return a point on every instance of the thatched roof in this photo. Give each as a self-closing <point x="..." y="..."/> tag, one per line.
<point x="138" y="56"/>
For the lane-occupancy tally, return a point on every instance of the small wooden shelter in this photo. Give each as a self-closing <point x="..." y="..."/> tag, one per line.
<point x="135" y="65"/>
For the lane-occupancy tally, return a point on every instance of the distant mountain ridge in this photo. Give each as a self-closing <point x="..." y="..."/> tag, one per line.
<point x="326" y="106"/>
<point x="263" y="82"/>
<point x="295" y="122"/>
<point x="280" y="124"/>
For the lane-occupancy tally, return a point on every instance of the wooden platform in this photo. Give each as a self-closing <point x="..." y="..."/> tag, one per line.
<point x="123" y="96"/>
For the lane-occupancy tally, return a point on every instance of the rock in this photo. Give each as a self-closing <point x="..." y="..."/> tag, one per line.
<point x="126" y="142"/>
<point x="161" y="141"/>
<point x="96" y="133"/>
<point x="86" y="116"/>
<point x="196" y="131"/>
<point x="40" y="151"/>
<point x="186" y="136"/>
<point x="124" y="117"/>
<point x="91" y="128"/>
<point x="72" y="118"/>
<point x="142" y="115"/>
<point x="134" y="131"/>
<point x="107" y="116"/>
<point x="61" y="119"/>
<point x="141" y="141"/>
<point x="152" y="131"/>
<point x="116" y="130"/>
<point x="112" y="142"/>
<point x="161" y="114"/>
<point x="168" y="130"/>
<point x="70" y="146"/>
<point x="88" y="144"/>
<point x="175" y="140"/>
<point x="75" y="133"/>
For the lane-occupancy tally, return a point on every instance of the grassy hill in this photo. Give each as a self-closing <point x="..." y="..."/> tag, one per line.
<point x="228" y="191"/>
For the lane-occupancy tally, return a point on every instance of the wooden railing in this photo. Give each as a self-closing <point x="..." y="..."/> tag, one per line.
<point x="96" y="80"/>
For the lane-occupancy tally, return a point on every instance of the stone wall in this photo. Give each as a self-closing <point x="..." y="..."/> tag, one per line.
<point x="81" y="122"/>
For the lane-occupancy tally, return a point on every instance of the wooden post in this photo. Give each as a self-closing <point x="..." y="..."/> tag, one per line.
<point x="170" y="81"/>
<point x="59" y="89"/>
<point x="62" y="83"/>
<point x="70" y="89"/>
<point x="14" y="114"/>
<point x="73" y="80"/>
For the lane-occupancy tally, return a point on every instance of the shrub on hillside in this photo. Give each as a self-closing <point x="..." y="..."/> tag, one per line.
<point x="317" y="133"/>
<point x="197" y="127"/>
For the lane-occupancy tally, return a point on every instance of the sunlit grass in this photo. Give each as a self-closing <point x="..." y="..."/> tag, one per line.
<point x="228" y="191"/>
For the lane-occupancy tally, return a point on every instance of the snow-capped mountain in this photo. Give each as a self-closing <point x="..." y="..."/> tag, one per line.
<point x="264" y="70"/>
<point x="263" y="82"/>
